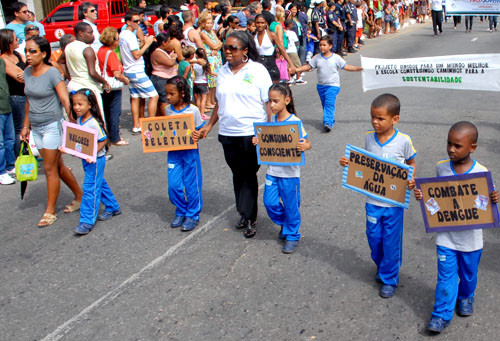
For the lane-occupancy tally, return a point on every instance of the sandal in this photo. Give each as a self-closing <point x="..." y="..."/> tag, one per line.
<point x="75" y="206"/>
<point x="250" y="231"/>
<point x="47" y="220"/>
<point x="120" y="143"/>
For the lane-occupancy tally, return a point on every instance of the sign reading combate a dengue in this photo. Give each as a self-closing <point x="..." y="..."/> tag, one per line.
<point x="167" y="133"/>
<point x="458" y="202"/>
<point x="377" y="177"/>
<point x="461" y="72"/>
<point x="278" y="143"/>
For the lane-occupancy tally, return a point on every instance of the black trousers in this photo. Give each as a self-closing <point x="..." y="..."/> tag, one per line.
<point x="241" y="157"/>
<point x="437" y="21"/>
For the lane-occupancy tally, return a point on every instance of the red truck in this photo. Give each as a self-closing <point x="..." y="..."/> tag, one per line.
<point x="109" y="13"/>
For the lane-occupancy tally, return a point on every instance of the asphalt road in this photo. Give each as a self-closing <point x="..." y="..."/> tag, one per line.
<point x="135" y="278"/>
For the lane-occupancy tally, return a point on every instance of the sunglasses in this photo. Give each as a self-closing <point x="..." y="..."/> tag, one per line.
<point x="137" y="21"/>
<point x="24" y="12"/>
<point x="31" y="51"/>
<point x="232" y="48"/>
<point x="33" y="28"/>
<point x="92" y="10"/>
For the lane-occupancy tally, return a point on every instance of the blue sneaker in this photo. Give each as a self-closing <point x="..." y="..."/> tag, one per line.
<point x="465" y="307"/>
<point x="83" y="228"/>
<point x="387" y="291"/>
<point x="290" y="246"/>
<point x="177" y="222"/>
<point x="106" y="215"/>
<point x="437" y="324"/>
<point x="189" y="224"/>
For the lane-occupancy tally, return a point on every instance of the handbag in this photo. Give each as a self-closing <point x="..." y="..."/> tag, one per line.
<point x="114" y="83"/>
<point x="26" y="164"/>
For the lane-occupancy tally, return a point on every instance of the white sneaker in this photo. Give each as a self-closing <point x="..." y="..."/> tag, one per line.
<point x="136" y="130"/>
<point x="12" y="172"/>
<point x="5" y="179"/>
<point x="300" y="81"/>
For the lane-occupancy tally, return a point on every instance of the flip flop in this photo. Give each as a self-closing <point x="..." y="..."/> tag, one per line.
<point x="120" y="143"/>
<point x="75" y="206"/>
<point x="47" y="220"/>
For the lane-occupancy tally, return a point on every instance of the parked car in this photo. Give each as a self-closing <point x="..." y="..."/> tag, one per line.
<point x="109" y="13"/>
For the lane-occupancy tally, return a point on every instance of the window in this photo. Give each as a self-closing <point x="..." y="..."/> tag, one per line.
<point x="63" y="14"/>
<point x="117" y="8"/>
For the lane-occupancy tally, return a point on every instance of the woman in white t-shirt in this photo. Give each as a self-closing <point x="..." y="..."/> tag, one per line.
<point x="242" y="96"/>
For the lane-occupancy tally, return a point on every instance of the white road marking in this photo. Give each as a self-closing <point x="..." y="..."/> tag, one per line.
<point x="474" y="39"/>
<point x="67" y="326"/>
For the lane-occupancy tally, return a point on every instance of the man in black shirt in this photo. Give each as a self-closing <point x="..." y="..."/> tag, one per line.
<point x="266" y="8"/>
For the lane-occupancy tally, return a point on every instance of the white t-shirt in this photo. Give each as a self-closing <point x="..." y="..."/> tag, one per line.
<point x="398" y="148"/>
<point x="287" y="171"/>
<point x="129" y="43"/>
<point x="242" y="98"/>
<point x="200" y="76"/>
<point x="93" y="124"/>
<point x="359" y="22"/>
<point x="292" y="39"/>
<point x="437" y="5"/>
<point x="465" y="241"/>
<point x="188" y="109"/>
<point x="328" y="68"/>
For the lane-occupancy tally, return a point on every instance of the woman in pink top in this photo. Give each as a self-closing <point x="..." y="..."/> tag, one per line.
<point x="163" y="69"/>
<point x="112" y="101"/>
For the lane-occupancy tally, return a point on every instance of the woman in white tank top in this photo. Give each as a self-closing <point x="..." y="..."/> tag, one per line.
<point x="266" y="41"/>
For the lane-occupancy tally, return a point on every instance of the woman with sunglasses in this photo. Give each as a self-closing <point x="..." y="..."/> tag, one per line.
<point x="14" y="67"/>
<point x="242" y="96"/>
<point x="46" y="95"/>
<point x="266" y="43"/>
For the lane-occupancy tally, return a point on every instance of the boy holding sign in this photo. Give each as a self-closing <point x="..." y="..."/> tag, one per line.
<point x="458" y="252"/>
<point x="282" y="191"/>
<point x="384" y="222"/>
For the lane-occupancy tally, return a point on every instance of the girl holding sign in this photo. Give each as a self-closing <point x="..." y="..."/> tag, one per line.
<point x="184" y="166"/>
<point x="85" y="110"/>
<point x="283" y="182"/>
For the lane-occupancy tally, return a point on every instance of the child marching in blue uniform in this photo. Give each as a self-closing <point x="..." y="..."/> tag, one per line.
<point x="384" y="222"/>
<point x="282" y="191"/>
<point x="85" y="110"/>
<point x="458" y="252"/>
<point x="184" y="166"/>
<point x="328" y="64"/>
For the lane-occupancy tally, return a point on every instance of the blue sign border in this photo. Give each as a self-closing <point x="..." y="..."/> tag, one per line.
<point x="494" y="207"/>
<point x="277" y="124"/>
<point x="348" y="149"/>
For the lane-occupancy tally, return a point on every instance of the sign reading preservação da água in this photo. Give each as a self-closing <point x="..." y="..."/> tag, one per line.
<point x="377" y="177"/>
<point x="458" y="202"/>
<point x="278" y="143"/>
<point x="167" y="133"/>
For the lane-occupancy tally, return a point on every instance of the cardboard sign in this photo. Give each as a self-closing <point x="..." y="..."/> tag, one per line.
<point x="80" y="141"/>
<point x="167" y="133"/>
<point x="458" y="202"/>
<point x="278" y="143"/>
<point x="377" y="177"/>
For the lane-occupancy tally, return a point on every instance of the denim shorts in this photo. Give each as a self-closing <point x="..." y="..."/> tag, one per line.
<point x="48" y="136"/>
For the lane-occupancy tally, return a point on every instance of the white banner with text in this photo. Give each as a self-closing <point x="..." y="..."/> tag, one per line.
<point x="461" y="72"/>
<point x="473" y="7"/>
